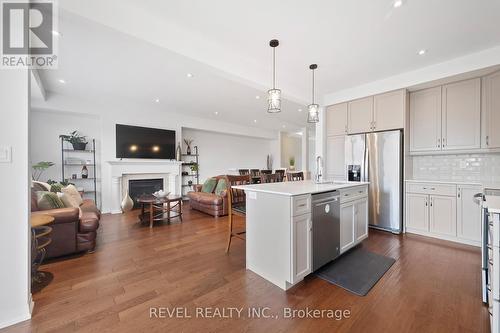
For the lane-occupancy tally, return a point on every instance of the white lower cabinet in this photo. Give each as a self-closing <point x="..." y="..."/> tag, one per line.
<point x="444" y="211"/>
<point x="468" y="213"/>
<point x="346" y="226"/>
<point x="417" y="212"/>
<point x="353" y="223"/>
<point x="301" y="245"/>
<point x="361" y="217"/>
<point x="443" y="215"/>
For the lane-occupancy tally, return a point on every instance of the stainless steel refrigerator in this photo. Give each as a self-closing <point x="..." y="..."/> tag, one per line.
<point x="378" y="158"/>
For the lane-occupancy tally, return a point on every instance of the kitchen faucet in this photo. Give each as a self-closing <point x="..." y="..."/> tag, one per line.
<point x="318" y="176"/>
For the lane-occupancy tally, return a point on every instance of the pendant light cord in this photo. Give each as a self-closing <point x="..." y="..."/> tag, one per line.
<point x="313" y="88"/>
<point x="274" y="67"/>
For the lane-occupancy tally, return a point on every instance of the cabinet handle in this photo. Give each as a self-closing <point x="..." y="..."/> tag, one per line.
<point x="444" y="142"/>
<point x="431" y="202"/>
<point x="374" y="124"/>
<point x="439" y="143"/>
<point x="459" y="190"/>
<point x="425" y="203"/>
<point x="487" y="140"/>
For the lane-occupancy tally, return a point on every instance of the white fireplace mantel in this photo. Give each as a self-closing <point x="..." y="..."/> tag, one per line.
<point x="119" y="169"/>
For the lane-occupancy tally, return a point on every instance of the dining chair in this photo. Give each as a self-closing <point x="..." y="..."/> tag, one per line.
<point x="295" y="176"/>
<point x="281" y="172"/>
<point x="265" y="171"/>
<point x="255" y="176"/>
<point x="243" y="172"/>
<point x="236" y="204"/>
<point x="270" y="178"/>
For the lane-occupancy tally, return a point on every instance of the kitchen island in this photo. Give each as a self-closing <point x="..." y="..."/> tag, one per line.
<point x="279" y="226"/>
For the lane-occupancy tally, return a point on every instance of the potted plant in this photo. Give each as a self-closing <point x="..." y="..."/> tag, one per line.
<point x="79" y="142"/>
<point x="39" y="168"/>
<point x="194" y="167"/>
<point x="292" y="163"/>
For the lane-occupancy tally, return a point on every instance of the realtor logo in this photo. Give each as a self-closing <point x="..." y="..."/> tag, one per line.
<point x="28" y="38"/>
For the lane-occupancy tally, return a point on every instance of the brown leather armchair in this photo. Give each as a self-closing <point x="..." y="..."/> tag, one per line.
<point x="73" y="230"/>
<point x="210" y="203"/>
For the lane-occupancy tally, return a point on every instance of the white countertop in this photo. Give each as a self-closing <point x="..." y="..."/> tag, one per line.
<point x="298" y="188"/>
<point x="486" y="185"/>
<point x="442" y="182"/>
<point x="493" y="203"/>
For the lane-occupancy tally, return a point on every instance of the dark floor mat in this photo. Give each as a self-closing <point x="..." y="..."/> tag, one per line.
<point x="356" y="271"/>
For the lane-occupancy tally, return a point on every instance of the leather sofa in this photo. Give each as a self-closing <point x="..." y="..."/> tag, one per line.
<point x="74" y="230"/>
<point x="210" y="203"/>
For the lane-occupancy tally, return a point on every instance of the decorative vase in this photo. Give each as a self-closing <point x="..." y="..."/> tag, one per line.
<point x="79" y="145"/>
<point x="178" y="152"/>
<point x="188" y="150"/>
<point x="127" y="203"/>
<point x="85" y="172"/>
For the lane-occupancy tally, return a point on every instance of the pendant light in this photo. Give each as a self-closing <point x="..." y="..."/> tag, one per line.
<point x="274" y="95"/>
<point x="313" y="109"/>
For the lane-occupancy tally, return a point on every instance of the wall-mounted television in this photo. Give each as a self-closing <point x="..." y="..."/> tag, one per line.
<point x="144" y="142"/>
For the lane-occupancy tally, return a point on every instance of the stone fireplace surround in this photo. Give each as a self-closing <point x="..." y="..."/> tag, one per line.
<point x="123" y="171"/>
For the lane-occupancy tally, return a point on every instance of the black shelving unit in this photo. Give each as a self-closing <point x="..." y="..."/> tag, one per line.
<point x="65" y="153"/>
<point x="187" y="162"/>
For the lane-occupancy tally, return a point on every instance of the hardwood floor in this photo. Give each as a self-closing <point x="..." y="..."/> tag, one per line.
<point x="434" y="286"/>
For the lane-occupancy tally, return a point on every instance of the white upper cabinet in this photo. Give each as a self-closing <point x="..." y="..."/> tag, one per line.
<point x="491" y="111"/>
<point x="336" y="119"/>
<point x="425" y="120"/>
<point x="335" y="157"/>
<point x="461" y="117"/>
<point x="360" y="115"/>
<point x="389" y="110"/>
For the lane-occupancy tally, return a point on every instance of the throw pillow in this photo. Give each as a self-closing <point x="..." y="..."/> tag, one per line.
<point x="67" y="200"/>
<point x="56" y="187"/>
<point x="71" y="191"/>
<point x="221" y="186"/>
<point x="48" y="200"/>
<point x="209" y="185"/>
<point x="40" y="186"/>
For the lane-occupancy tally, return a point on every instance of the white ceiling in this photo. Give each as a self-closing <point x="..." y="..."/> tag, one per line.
<point x="148" y="47"/>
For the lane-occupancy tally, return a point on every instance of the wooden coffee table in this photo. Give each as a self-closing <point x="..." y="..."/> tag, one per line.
<point x="160" y="209"/>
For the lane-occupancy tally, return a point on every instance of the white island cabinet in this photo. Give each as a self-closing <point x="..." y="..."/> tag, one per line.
<point x="279" y="227"/>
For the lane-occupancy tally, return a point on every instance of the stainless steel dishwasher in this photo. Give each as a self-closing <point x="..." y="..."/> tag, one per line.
<point x="325" y="228"/>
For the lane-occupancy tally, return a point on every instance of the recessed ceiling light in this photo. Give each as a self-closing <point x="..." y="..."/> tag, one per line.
<point x="284" y="126"/>
<point x="422" y="52"/>
<point x="300" y="110"/>
<point x="56" y="33"/>
<point x="189" y="75"/>
<point x="157" y="100"/>
<point x="255" y="120"/>
<point x="397" y="3"/>
<point x="61" y="81"/>
<point x="257" y="97"/>
<point x="216" y="113"/>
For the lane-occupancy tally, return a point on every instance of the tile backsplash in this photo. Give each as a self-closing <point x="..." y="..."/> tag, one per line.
<point x="473" y="167"/>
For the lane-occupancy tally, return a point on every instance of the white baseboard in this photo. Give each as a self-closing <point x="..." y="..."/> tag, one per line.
<point x="15" y="320"/>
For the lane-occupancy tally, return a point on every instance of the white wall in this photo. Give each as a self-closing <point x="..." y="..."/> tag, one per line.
<point x="222" y="153"/>
<point x="45" y="128"/>
<point x="291" y="146"/>
<point x="15" y="298"/>
<point x="110" y="113"/>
